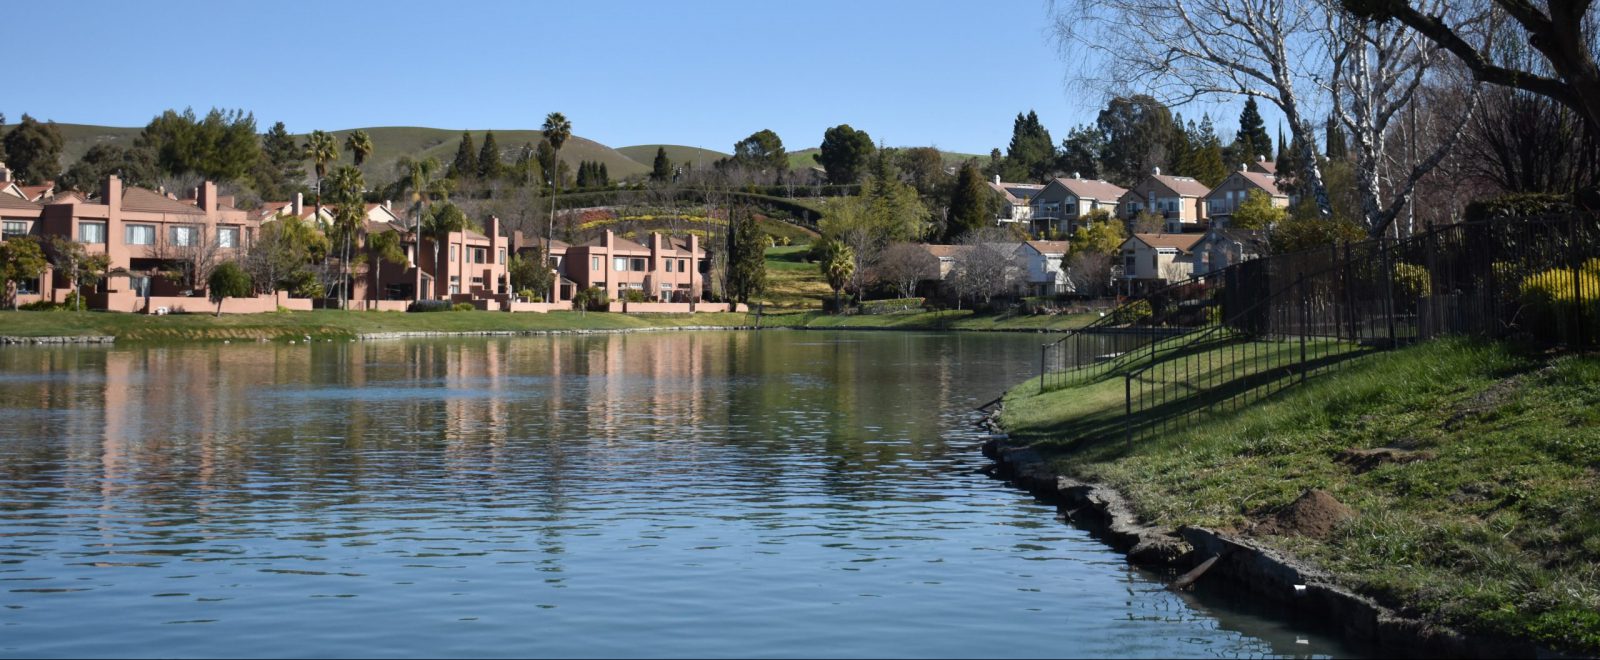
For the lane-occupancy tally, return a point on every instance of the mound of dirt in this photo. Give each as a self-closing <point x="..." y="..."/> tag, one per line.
<point x="1315" y="513"/>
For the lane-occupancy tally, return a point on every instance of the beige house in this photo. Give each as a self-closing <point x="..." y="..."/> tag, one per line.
<point x="1045" y="273"/>
<point x="1018" y="200"/>
<point x="1228" y="195"/>
<point x="1221" y="248"/>
<point x="1057" y="208"/>
<point x="1159" y="258"/>
<point x="1175" y="198"/>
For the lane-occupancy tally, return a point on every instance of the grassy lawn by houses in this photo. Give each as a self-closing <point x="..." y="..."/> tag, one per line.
<point x="1471" y="468"/>
<point x="336" y="324"/>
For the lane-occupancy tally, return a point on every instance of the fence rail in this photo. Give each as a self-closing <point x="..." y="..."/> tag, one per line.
<point x="1222" y="340"/>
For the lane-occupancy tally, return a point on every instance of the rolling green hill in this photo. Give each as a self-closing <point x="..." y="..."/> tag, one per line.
<point x="645" y="154"/>
<point x="804" y="158"/>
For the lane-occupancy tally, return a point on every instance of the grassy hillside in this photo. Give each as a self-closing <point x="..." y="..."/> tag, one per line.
<point x="645" y="154"/>
<point x="803" y="158"/>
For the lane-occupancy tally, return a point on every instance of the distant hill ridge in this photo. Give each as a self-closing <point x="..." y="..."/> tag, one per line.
<point x="392" y="142"/>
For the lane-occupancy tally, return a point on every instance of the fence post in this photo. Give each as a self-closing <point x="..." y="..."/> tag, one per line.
<point x="1388" y="288"/>
<point x="1575" y="264"/>
<point x="1305" y="319"/>
<point x="1127" y="411"/>
<point x="1043" y="348"/>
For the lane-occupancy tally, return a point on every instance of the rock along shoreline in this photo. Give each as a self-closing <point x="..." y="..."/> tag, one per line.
<point x="1254" y="570"/>
<point x="9" y="340"/>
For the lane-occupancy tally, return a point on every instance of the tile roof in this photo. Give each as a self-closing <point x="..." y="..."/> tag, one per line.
<point x="1180" y="242"/>
<point x="33" y="193"/>
<point x="1253" y="237"/>
<point x="139" y="199"/>
<point x="1265" y="166"/>
<point x="1183" y="185"/>
<point x="1016" y="193"/>
<point x="9" y="202"/>
<point x="1264" y="181"/>
<point x="943" y="250"/>
<point x="1093" y="189"/>
<point x="69" y="197"/>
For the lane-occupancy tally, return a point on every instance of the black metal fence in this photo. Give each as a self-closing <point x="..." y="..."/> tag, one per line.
<point x="1222" y="340"/>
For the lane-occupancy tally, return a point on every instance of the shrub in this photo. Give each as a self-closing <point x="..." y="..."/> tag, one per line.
<point x="890" y="306"/>
<point x="525" y="294"/>
<point x="1519" y="205"/>
<point x="1411" y="281"/>
<point x="1133" y="312"/>
<point x="70" y="303"/>
<point x="429" y="306"/>
<point x="463" y="307"/>
<point x="1559" y="294"/>
<point x="635" y="295"/>
<point x="593" y="299"/>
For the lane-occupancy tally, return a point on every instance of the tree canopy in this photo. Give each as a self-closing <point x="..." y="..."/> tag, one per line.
<point x="33" y="150"/>
<point x="1031" y="156"/>
<point x="762" y="151"/>
<point x="222" y="146"/>
<point x="844" y="153"/>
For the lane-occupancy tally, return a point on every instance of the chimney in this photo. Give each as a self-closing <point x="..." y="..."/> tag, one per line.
<point x="299" y="204"/>
<point x="1076" y="175"/>
<point x="388" y="205"/>
<point x="607" y="242"/>
<point x="113" y="191"/>
<point x="5" y="174"/>
<point x="1156" y="171"/>
<point x="997" y="179"/>
<point x="206" y="198"/>
<point x="1243" y="167"/>
<point x="1261" y="159"/>
<point x="494" y="231"/>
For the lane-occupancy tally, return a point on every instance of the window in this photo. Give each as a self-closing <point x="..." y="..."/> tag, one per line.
<point x="636" y="264"/>
<point x="92" y="232"/>
<point x="619" y="264"/>
<point x="681" y="269"/>
<point x="594" y="263"/>
<point x="480" y="255"/>
<point x="140" y="234"/>
<point x="228" y="237"/>
<point x="14" y="229"/>
<point x="455" y="253"/>
<point x="182" y="236"/>
<point x="668" y="265"/>
<point x="502" y="256"/>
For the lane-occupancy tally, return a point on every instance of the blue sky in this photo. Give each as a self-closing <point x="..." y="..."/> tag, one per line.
<point x="705" y="73"/>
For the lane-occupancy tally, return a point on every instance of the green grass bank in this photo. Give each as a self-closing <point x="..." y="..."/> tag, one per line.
<point x="1471" y="468"/>
<point x="337" y="324"/>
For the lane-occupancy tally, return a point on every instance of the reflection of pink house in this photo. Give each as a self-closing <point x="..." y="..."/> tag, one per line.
<point x="666" y="270"/>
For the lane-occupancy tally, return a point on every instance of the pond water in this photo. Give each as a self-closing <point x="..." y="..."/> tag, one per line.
<point x="774" y="493"/>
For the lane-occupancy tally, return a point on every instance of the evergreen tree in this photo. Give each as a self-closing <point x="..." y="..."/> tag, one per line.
<point x="466" y="162"/>
<point x="1290" y="165"/>
<point x="1080" y="152"/>
<point x="969" y="203"/>
<point x="762" y="151"/>
<point x="1336" y="149"/>
<point x="1206" y="163"/>
<point x="1252" y="140"/>
<point x="489" y="165"/>
<point x="1031" y="156"/>
<point x="996" y="164"/>
<point x="281" y="166"/>
<point x="603" y="175"/>
<point x="136" y="166"/>
<point x="1282" y="145"/>
<point x="747" y="266"/>
<point x="529" y="172"/>
<point x="1136" y="132"/>
<point x="661" y="168"/>
<point x="34" y="149"/>
<point x="844" y="153"/>
<point x="1179" y="149"/>
<point x="223" y="146"/>
<point x="2" y="132"/>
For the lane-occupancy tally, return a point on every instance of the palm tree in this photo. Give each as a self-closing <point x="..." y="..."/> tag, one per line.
<point x="323" y="150"/>
<point x="347" y="185"/>
<point x="556" y="130"/>
<point x="838" y="267"/>
<point x="444" y="221"/>
<point x="384" y="246"/>
<point x="359" y="144"/>
<point x="421" y="184"/>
